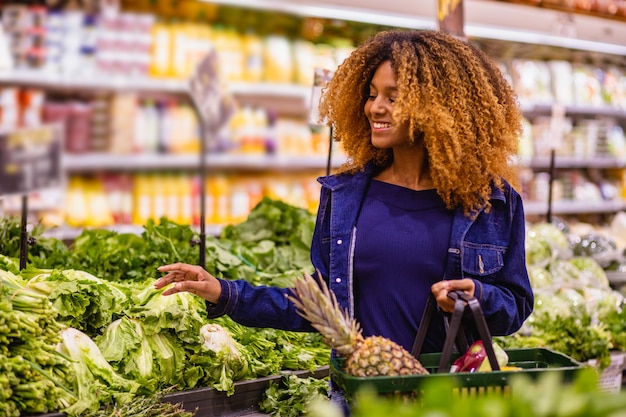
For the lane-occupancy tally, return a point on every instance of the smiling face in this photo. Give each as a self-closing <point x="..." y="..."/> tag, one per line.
<point x="379" y="109"/>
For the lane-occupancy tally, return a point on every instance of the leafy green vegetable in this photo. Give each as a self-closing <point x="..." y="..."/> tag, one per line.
<point x="96" y="382"/>
<point x="155" y="360"/>
<point x="293" y="395"/>
<point x="81" y="299"/>
<point x="155" y="405"/>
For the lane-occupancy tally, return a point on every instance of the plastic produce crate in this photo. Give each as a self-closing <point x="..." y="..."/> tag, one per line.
<point x="532" y="361"/>
<point x="209" y="402"/>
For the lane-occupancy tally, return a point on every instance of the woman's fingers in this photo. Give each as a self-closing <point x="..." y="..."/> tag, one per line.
<point x="441" y="289"/>
<point x="179" y="272"/>
<point x="189" y="278"/>
<point x="193" y="287"/>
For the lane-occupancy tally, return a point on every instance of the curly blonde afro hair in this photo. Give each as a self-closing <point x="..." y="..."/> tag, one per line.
<point x="454" y="96"/>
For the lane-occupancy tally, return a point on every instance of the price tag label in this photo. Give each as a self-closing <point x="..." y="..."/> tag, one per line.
<point x="321" y="77"/>
<point x="210" y="96"/>
<point x="30" y="159"/>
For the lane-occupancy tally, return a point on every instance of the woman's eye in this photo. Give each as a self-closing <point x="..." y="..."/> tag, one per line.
<point x="371" y="97"/>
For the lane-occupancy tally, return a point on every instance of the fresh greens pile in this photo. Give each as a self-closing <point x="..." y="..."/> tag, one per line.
<point x="121" y="340"/>
<point x="293" y="395"/>
<point x="576" y="311"/>
<point x="33" y="376"/>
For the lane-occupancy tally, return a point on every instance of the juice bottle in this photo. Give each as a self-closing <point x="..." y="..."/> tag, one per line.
<point x="183" y="188"/>
<point x="142" y="199"/>
<point x="76" y="208"/>
<point x="171" y="196"/>
<point x="253" y="57"/>
<point x="157" y="196"/>
<point x="219" y="190"/>
<point x="239" y="203"/>
<point x="161" y="49"/>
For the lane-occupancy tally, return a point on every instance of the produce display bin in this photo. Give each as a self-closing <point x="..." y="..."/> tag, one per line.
<point x="209" y="402"/>
<point x="532" y="361"/>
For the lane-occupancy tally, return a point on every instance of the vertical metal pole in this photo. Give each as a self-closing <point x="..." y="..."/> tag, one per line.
<point x="24" y="233"/>
<point x="551" y="182"/>
<point x="203" y="155"/>
<point x="330" y="150"/>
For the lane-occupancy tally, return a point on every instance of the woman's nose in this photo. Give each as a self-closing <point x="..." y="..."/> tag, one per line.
<point x="378" y="106"/>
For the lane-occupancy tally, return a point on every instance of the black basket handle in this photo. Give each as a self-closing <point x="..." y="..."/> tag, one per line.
<point x="455" y="333"/>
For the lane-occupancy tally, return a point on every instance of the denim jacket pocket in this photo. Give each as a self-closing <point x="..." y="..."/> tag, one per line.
<point x="481" y="260"/>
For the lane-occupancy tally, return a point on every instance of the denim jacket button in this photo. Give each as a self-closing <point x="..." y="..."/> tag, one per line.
<point x="337" y="280"/>
<point x="339" y="241"/>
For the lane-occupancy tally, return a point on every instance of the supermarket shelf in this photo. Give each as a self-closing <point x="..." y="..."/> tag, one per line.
<point x="574" y="207"/>
<point x="68" y="233"/>
<point x="571" y="162"/>
<point x="546" y="109"/>
<point x="42" y="79"/>
<point x="484" y="19"/>
<point x="91" y="162"/>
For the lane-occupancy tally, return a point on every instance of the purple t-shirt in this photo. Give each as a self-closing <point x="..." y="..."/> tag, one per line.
<point x="401" y="247"/>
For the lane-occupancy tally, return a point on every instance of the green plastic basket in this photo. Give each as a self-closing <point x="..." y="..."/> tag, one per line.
<point x="532" y="361"/>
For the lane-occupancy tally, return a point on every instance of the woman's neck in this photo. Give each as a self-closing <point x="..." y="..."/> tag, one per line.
<point x="408" y="170"/>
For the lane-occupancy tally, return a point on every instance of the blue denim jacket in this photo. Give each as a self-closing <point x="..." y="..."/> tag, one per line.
<point x="488" y="249"/>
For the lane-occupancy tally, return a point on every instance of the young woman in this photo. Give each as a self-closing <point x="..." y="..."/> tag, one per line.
<point x="423" y="205"/>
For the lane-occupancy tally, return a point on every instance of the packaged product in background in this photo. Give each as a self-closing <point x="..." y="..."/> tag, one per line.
<point x="147" y="127"/>
<point x="161" y="50"/>
<point x="113" y="187"/>
<point x="99" y="133"/>
<point x="183" y="187"/>
<point x="531" y="81"/>
<point x="278" y="59"/>
<point x="78" y="128"/>
<point x="342" y="49"/>
<point x="218" y="186"/>
<point x="122" y="123"/>
<point x="196" y="207"/>
<point x="229" y="48"/>
<point x="613" y="89"/>
<point x="182" y="40"/>
<point x="304" y="61"/>
<point x="76" y="209"/>
<point x="30" y="104"/>
<point x="143" y="195"/>
<point x="253" y="57"/>
<point x="9" y="108"/>
<point x="562" y="82"/>
<point x="185" y="132"/>
<point x="616" y="141"/>
<point x="166" y="125"/>
<point x="158" y="195"/>
<point x="167" y="183"/>
<point x="587" y="87"/>
<point x="526" y="142"/>
<point x="239" y="202"/>
<point x="325" y="56"/>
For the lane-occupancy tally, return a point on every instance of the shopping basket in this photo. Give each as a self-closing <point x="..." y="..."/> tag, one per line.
<point x="530" y="361"/>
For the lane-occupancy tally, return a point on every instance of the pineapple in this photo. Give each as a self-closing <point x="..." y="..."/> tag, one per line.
<point x="364" y="357"/>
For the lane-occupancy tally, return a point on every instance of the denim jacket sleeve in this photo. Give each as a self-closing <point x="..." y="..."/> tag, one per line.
<point x="258" y="306"/>
<point x="499" y="267"/>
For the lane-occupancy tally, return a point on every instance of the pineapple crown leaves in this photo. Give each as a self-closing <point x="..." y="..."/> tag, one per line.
<point x="316" y="303"/>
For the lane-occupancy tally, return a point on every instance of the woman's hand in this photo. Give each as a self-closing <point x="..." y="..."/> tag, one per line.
<point x="189" y="278"/>
<point x="441" y="289"/>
